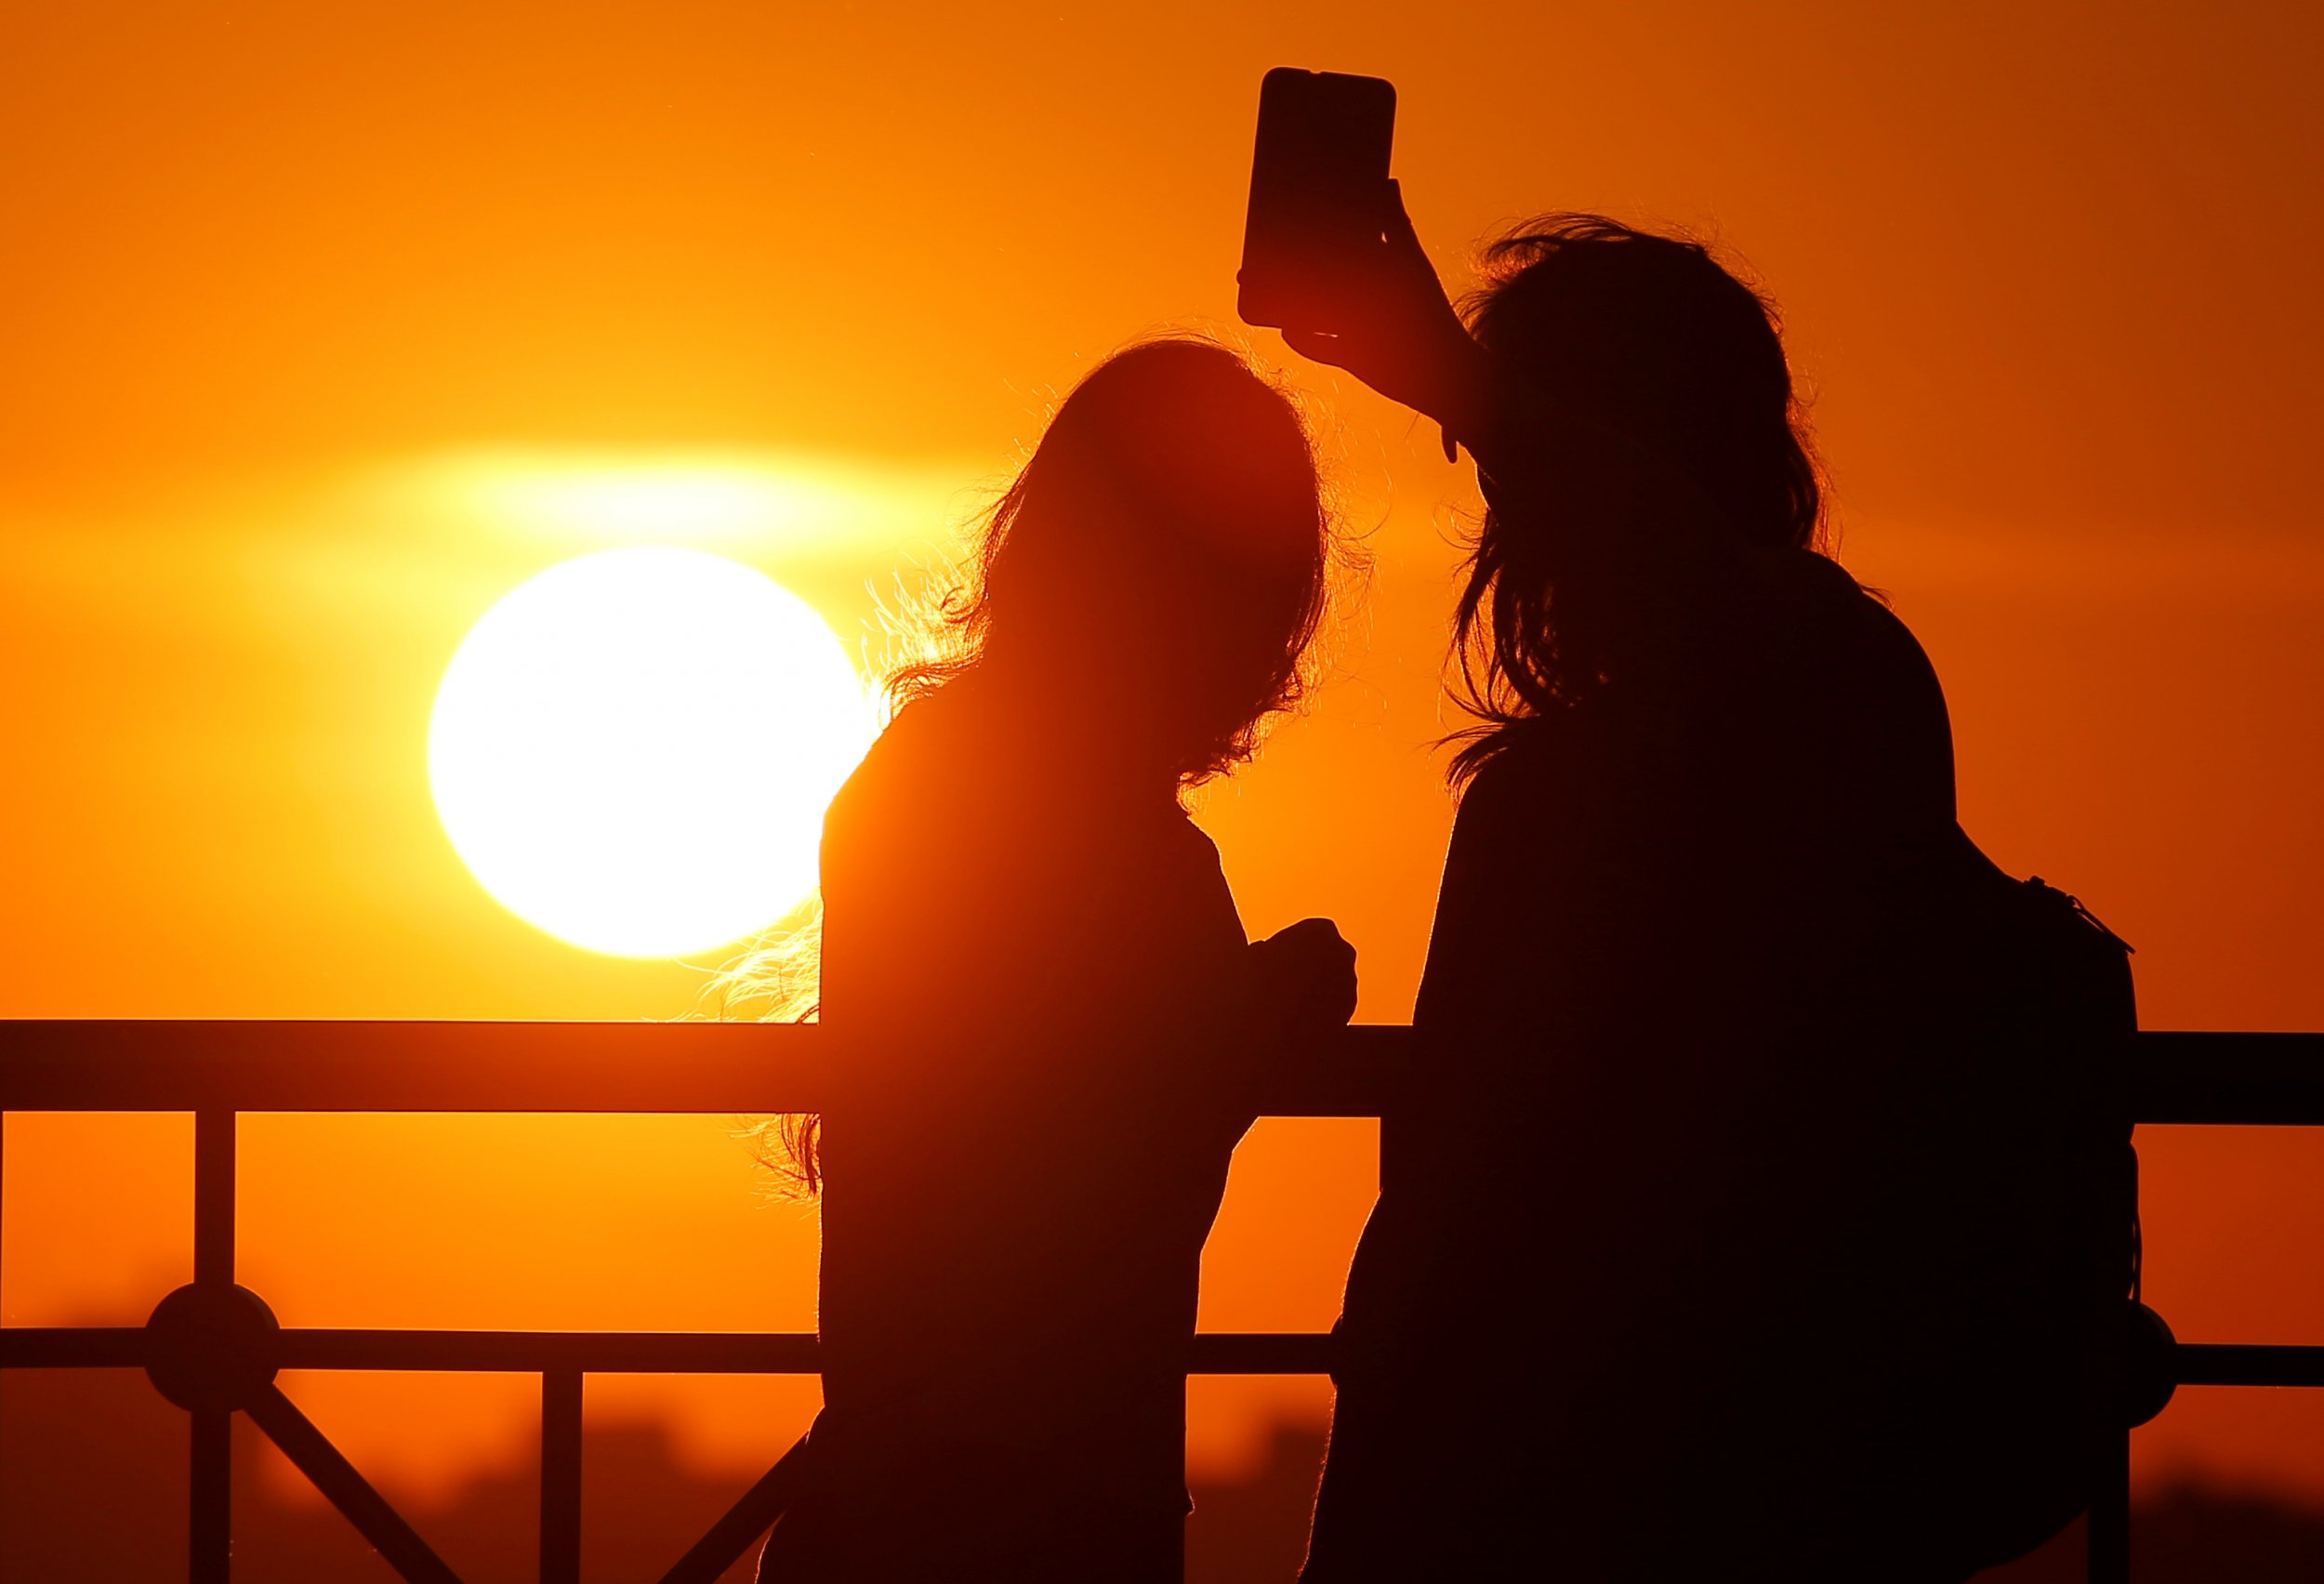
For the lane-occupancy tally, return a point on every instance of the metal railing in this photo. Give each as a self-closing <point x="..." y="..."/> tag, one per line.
<point x="214" y="1349"/>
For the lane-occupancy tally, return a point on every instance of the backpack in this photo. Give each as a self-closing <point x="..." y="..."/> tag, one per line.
<point x="2053" y="996"/>
<point x="2048" y="1019"/>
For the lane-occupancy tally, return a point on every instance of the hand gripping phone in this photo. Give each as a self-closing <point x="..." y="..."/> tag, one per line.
<point x="1318" y="187"/>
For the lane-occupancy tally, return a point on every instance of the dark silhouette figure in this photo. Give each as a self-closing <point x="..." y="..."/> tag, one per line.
<point x="1688" y="1266"/>
<point x="1051" y="1016"/>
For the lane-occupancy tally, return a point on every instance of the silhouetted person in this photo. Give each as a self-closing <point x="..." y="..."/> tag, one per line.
<point x="1682" y="1270"/>
<point x="1050" y="1016"/>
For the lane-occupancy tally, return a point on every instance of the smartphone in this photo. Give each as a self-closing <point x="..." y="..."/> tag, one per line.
<point x="1318" y="184"/>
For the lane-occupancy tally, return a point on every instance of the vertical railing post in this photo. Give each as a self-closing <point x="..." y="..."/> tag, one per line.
<point x="214" y="1197"/>
<point x="210" y="1535"/>
<point x="211" y="1489"/>
<point x="2109" y="1523"/>
<point x="560" y="1476"/>
<point x="4" y="1216"/>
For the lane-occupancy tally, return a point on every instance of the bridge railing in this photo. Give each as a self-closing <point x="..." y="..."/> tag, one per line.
<point x="214" y="1349"/>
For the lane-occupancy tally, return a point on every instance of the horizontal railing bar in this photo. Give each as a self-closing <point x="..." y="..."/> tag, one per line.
<point x="71" y="1347"/>
<point x="719" y="1068"/>
<point x="2248" y="1363"/>
<point x="728" y="1068"/>
<point x="795" y="1352"/>
<point x="158" y="1066"/>
<point x="1262" y="1353"/>
<point x="591" y="1352"/>
<point x="529" y="1353"/>
<point x="2230" y="1079"/>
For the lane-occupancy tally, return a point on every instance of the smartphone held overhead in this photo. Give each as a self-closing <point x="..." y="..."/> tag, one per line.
<point x="1318" y="195"/>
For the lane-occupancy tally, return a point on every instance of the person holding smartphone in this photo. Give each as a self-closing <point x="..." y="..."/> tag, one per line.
<point x="1674" y="1277"/>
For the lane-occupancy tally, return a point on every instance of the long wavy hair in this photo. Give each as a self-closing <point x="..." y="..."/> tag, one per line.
<point x="1167" y="553"/>
<point x="1162" y="566"/>
<point x="1656" y="339"/>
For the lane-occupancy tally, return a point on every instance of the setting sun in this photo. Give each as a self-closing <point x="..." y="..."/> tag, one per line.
<point x="633" y="749"/>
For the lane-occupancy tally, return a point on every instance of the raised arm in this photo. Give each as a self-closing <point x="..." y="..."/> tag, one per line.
<point x="1536" y="453"/>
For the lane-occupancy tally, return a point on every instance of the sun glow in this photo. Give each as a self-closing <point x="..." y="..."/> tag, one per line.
<point x="788" y="506"/>
<point x="633" y="749"/>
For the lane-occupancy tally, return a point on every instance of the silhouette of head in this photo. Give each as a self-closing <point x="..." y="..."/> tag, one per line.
<point x="1159" y="568"/>
<point x="1655" y="338"/>
<point x="1651" y="338"/>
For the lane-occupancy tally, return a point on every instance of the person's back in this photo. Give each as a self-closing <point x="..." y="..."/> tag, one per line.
<point x="1017" y="1187"/>
<point x="1671" y="1190"/>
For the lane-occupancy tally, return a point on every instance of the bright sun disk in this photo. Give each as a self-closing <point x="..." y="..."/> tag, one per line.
<point x="633" y="749"/>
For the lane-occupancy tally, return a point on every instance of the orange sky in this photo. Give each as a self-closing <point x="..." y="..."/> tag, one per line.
<point x="283" y="277"/>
